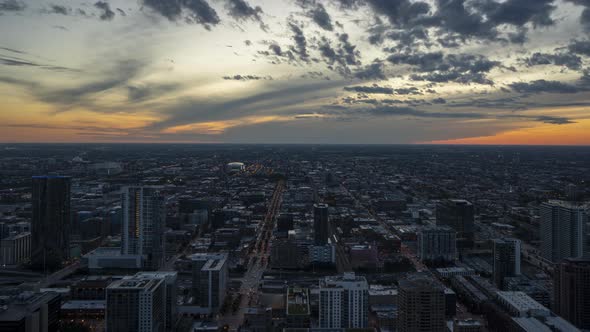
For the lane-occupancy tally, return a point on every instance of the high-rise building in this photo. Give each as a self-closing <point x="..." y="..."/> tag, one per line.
<point x="143" y="225"/>
<point x="170" y="279"/>
<point x="571" y="287"/>
<point x="210" y="277"/>
<point x="50" y="228"/>
<point x="30" y="312"/>
<point x="562" y="230"/>
<point x="320" y="223"/>
<point x="437" y="244"/>
<point x="506" y="255"/>
<point x="421" y="303"/>
<point x="344" y="302"/>
<point x="136" y="304"/>
<point x="458" y="214"/>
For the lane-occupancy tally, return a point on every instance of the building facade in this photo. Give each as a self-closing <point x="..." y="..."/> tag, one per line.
<point x="437" y="244"/>
<point x="506" y="255"/>
<point x="421" y="303"/>
<point x="571" y="286"/>
<point x="143" y="225"/>
<point x="51" y="223"/>
<point x="344" y="302"/>
<point x="210" y="276"/>
<point x="320" y="224"/>
<point x="459" y="215"/>
<point x="562" y="230"/>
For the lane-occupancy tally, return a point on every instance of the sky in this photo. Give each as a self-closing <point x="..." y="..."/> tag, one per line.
<point x="296" y="71"/>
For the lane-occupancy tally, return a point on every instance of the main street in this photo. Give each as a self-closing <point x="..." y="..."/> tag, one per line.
<point x="256" y="268"/>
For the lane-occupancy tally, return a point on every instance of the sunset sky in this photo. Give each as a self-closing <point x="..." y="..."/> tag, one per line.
<point x="296" y="71"/>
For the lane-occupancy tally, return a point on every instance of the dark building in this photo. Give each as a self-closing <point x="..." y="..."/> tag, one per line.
<point x="51" y="221"/>
<point x="571" y="287"/>
<point x="320" y="223"/>
<point x="31" y="312"/>
<point x="421" y="305"/>
<point x="285" y="222"/>
<point x="458" y="214"/>
<point x="506" y="255"/>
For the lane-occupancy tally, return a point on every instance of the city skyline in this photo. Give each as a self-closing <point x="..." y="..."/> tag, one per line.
<point x="296" y="71"/>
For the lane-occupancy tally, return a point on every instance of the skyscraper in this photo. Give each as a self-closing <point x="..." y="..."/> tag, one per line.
<point x="437" y="243"/>
<point x="143" y="225"/>
<point x="458" y="214"/>
<point x="210" y="277"/>
<point x="51" y="221"/>
<point x="506" y="255"/>
<point x="136" y="304"/>
<point x="320" y="223"/>
<point x="562" y="230"/>
<point x="571" y="287"/>
<point x="344" y="301"/>
<point x="421" y="305"/>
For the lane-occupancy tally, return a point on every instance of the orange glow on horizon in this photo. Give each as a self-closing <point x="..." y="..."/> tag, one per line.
<point x="547" y="134"/>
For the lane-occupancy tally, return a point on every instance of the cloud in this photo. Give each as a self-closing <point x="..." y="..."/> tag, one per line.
<point x="439" y="68"/>
<point x="241" y="10"/>
<point x="585" y="16"/>
<point x="554" y="120"/>
<point x="581" y="47"/>
<point x="300" y="47"/>
<point x="144" y="92"/>
<point x="58" y="9"/>
<point x="373" y="89"/>
<point x="247" y="78"/>
<point x="317" y="12"/>
<point x="121" y="12"/>
<point x="107" y="14"/>
<point x="373" y="71"/>
<point x="12" y="6"/>
<point x="544" y="86"/>
<point x="570" y="61"/>
<point x="19" y="62"/>
<point x="197" y="11"/>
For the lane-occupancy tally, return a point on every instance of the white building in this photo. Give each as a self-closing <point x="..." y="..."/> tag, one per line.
<point x="521" y="305"/>
<point x="325" y="254"/>
<point x="170" y="279"/>
<point x="143" y="225"/>
<point x="344" y="301"/>
<point x="136" y="304"/>
<point x="562" y="230"/>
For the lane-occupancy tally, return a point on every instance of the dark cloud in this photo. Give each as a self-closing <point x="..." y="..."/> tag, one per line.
<point x="570" y="61"/>
<point x="58" y="9"/>
<point x="581" y="47"/>
<point x="241" y="10"/>
<point x="438" y="68"/>
<point x="247" y="42"/>
<point x="373" y="89"/>
<point x="197" y="11"/>
<point x="520" y="12"/>
<point x="121" y="12"/>
<point x="554" y="120"/>
<point x="246" y="78"/>
<point x="408" y="91"/>
<point x="541" y="86"/>
<point x="144" y="92"/>
<point x="439" y="101"/>
<point x="106" y="13"/>
<point x="300" y="47"/>
<point x="12" y="6"/>
<point x="276" y="49"/>
<point x="317" y="12"/>
<point x="19" y="62"/>
<point x="373" y="71"/>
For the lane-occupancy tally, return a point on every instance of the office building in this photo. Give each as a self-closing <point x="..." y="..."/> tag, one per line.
<point x="210" y="276"/>
<point x="437" y="244"/>
<point x="467" y="325"/>
<point x="320" y="223"/>
<point x="15" y="249"/>
<point x="136" y="304"/>
<point x="143" y="225"/>
<point x="506" y="255"/>
<point x="344" y="302"/>
<point x="50" y="228"/>
<point x="459" y="215"/>
<point x="571" y="287"/>
<point x="562" y="230"/>
<point x="421" y="304"/>
<point x="31" y="312"/>
<point x="170" y="279"/>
